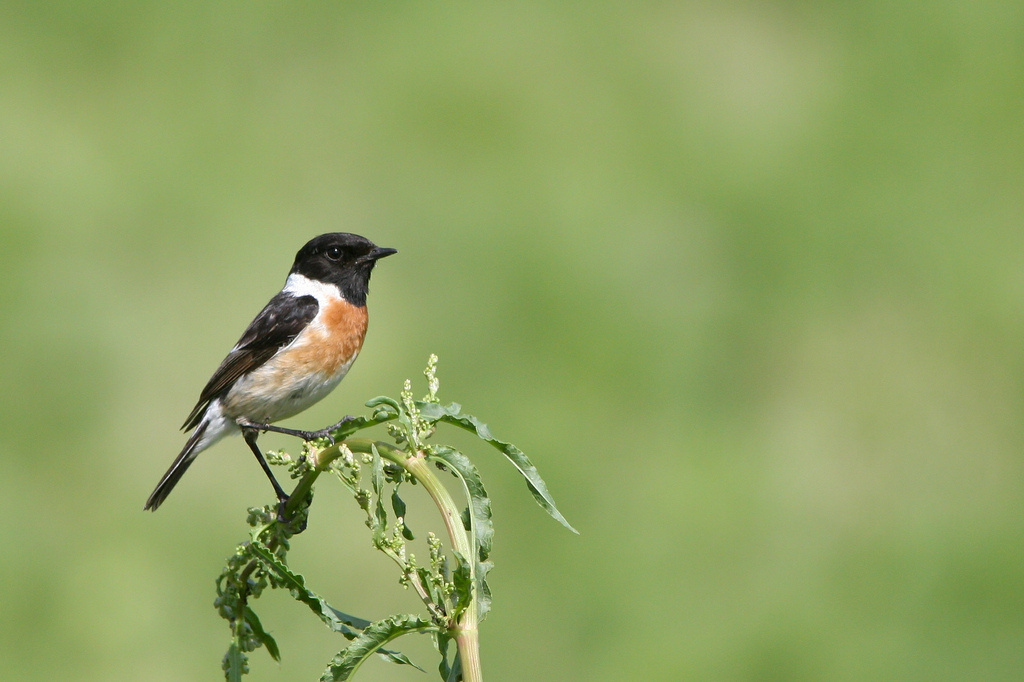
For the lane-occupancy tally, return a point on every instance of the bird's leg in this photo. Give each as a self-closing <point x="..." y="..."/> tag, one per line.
<point x="250" y="435"/>
<point x="304" y="435"/>
<point x="334" y="427"/>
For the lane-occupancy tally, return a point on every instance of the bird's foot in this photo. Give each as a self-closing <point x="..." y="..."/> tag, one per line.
<point x="304" y="435"/>
<point x="284" y="518"/>
<point x="328" y="432"/>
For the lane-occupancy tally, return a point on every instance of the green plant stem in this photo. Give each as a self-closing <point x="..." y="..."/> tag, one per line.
<point x="298" y="495"/>
<point x="466" y="632"/>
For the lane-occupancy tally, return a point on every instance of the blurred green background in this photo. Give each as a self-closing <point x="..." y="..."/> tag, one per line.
<point x="744" y="279"/>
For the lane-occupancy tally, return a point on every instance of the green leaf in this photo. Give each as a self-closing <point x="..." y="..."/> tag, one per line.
<point x="449" y="672"/>
<point x="463" y="582"/>
<point x="334" y="619"/>
<point x="455" y="674"/>
<point x="397" y="658"/>
<point x="384" y="400"/>
<point x="379" y="520"/>
<point x="257" y="630"/>
<point x="390" y="404"/>
<point x="452" y="414"/>
<point x="480" y="518"/>
<point x="360" y="423"/>
<point x="375" y="636"/>
<point x="354" y="621"/>
<point x="441" y="641"/>
<point x="480" y="503"/>
<point x="398" y="504"/>
<point x="436" y="596"/>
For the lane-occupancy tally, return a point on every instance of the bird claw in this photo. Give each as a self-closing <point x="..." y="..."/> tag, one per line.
<point x="328" y="432"/>
<point x="322" y="433"/>
<point x="282" y="516"/>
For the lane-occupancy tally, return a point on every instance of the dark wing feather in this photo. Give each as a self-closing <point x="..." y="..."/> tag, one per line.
<point x="275" y="327"/>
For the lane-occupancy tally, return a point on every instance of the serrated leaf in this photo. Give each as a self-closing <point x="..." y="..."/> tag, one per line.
<point x="480" y="517"/>
<point x="480" y="503"/>
<point x="334" y="619"/>
<point x="375" y="636"/>
<point x="452" y="414"/>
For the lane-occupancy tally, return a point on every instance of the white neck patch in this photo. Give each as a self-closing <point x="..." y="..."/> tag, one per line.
<point x="300" y="285"/>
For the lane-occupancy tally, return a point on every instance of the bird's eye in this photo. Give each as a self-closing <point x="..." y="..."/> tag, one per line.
<point x="334" y="252"/>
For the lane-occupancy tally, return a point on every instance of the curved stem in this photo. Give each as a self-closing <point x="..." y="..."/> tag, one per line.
<point x="467" y="635"/>
<point x="465" y="631"/>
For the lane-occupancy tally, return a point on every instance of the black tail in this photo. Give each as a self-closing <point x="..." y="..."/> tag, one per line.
<point x="177" y="470"/>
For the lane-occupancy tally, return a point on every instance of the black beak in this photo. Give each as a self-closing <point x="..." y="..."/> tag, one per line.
<point x="380" y="252"/>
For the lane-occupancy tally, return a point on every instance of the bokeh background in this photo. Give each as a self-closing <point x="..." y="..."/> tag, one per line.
<point x="745" y="280"/>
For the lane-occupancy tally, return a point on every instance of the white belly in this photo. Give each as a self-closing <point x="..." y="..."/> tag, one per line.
<point x="274" y="392"/>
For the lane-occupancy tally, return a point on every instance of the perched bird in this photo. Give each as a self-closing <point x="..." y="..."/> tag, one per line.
<point x="292" y="355"/>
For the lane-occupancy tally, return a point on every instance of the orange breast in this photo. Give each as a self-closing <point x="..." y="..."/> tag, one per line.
<point x="335" y="338"/>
